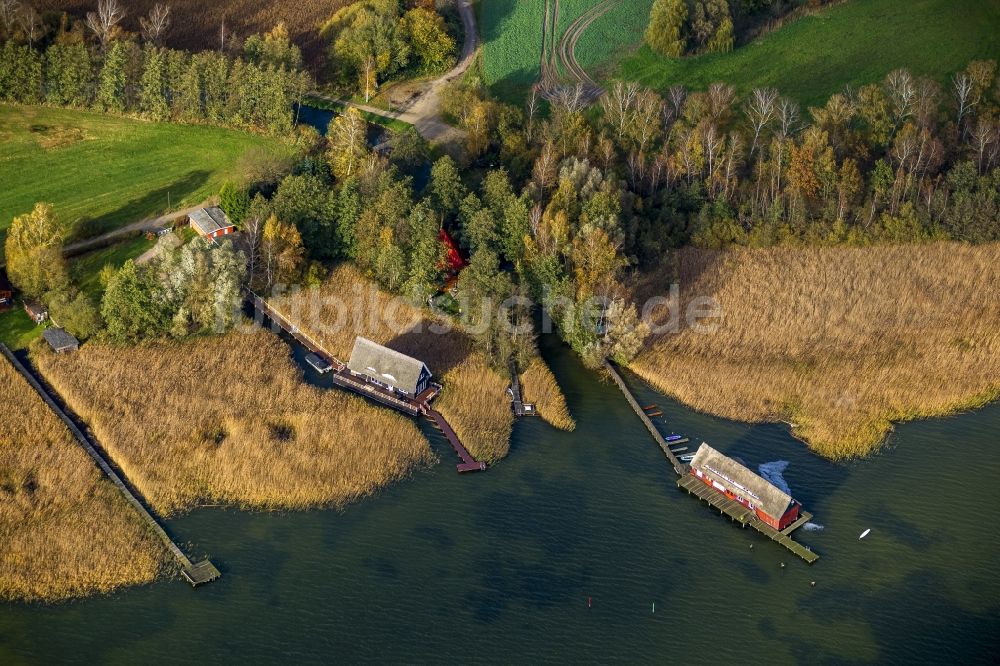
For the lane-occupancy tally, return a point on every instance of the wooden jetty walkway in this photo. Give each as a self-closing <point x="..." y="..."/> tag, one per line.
<point x="420" y="405"/>
<point x="520" y="407"/>
<point x="195" y="573"/>
<point x="468" y="464"/>
<point x="680" y="468"/>
<point x="745" y="516"/>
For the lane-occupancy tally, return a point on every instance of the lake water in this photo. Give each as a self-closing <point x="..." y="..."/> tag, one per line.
<point x="498" y="567"/>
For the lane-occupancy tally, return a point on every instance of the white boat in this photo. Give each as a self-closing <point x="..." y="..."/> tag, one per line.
<point x="864" y="534"/>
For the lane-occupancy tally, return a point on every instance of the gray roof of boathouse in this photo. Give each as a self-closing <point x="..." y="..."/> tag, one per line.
<point x="386" y="365"/>
<point x="60" y="340"/>
<point x="741" y="481"/>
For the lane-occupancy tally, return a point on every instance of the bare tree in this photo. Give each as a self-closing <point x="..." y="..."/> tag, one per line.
<point x="571" y="98"/>
<point x="222" y="35"/>
<point x="760" y="110"/>
<point x="156" y="26"/>
<point x="31" y="24"/>
<point x="902" y="94"/>
<point x="8" y="15"/>
<point x="617" y="105"/>
<point x="253" y="231"/>
<point x="532" y="109"/>
<point x="962" y="84"/>
<point x="788" y="117"/>
<point x="102" y="22"/>
<point x="720" y="99"/>
<point x="984" y="134"/>
<point x="677" y="96"/>
<point x="648" y="110"/>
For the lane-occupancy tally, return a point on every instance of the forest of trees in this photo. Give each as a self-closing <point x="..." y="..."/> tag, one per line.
<point x="87" y="64"/>
<point x="372" y="40"/>
<point x="552" y="202"/>
<point x="562" y="206"/>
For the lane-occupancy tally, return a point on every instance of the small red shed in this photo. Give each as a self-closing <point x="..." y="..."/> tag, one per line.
<point x="211" y="222"/>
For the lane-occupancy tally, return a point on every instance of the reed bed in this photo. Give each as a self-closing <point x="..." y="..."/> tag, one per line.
<point x="229" y="420"/>
<point x="841" y="341"/>
<point x="474" y="399"/>
<point x="538" y="385"/>
<point x="65" y="531"/>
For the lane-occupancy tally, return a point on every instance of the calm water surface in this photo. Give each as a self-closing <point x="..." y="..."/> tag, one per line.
<point x="497" y="567"/>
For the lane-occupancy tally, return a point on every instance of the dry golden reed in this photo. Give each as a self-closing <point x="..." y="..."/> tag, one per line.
<point x="841" y="341"/>
<point x="538" y="385"/>
<point x="474" y="399"/>
<point x="229" y="420"/>
<point x="65" y="531"/>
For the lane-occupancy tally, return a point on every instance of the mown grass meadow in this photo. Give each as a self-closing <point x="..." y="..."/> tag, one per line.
<point x="102" y="171"/>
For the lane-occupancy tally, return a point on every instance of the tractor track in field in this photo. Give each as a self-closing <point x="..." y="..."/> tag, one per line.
<point x="559" y="66"/>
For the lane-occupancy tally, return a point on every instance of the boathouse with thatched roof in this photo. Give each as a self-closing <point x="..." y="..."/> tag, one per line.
<point x="772" y="504"/>
<point x="390" y="369"/>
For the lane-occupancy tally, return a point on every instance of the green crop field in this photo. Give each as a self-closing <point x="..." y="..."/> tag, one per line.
<point x="511" y="31"/>
<point x="102" y="171"/>
<point x="855" y="43"/>
<point x="613" y="36"/>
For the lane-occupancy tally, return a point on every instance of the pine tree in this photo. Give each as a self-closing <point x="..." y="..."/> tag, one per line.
<point x="111" y="90"/>
<point x="152" y="102"/>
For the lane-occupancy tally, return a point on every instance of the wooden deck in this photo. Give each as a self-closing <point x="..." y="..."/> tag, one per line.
<point x="747" y="517"/>
<point x="196" y="574"/>
<point x="468" y="464"/>
<point x="520" y="407"/>
<point x="342" y="377"/>
<point x="736" y="511"/>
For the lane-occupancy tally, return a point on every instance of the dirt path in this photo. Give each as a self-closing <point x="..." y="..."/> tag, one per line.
<point x="148" y="224"/>
<point x="424" y="111"/>
<point x="562" y="55"/>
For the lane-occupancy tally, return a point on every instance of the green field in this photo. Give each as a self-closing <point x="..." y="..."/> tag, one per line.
<point x="16" y="328"/>
<point x="855" y="43"/>
<point x="511" y="31"/>
<point x="85" y="269"/>
<point x="102" y="171"/>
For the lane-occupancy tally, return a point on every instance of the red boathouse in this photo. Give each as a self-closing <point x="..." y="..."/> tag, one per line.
<point x="728" y="477"/>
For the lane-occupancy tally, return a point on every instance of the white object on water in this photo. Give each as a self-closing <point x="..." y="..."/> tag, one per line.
<point x="654" y="606"/>
<point x="864" y="534"/>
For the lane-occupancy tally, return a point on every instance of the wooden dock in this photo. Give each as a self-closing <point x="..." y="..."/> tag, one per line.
<point x="679" y="467"/>
<point x="468" y="464"/>
<point x="520" y="407"/>
<point x="745" y="516"/>
<point x="194" y="573"/>
<point x="419" y="405"/>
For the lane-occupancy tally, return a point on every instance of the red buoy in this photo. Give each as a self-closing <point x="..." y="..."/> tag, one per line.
<point x="589" y="602"/>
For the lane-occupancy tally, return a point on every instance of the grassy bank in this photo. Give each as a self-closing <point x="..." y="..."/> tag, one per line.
<point x="64" y="530"/>
<point x="841" y="341"/>
<point x="101" y="171"/>
<point x="474" y="399"/>
<point x="228" y="420"/>
<point x="854" y="43"/>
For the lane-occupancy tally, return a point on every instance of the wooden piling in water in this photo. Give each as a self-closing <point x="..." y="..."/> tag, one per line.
<point x="196" y="574"/>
